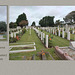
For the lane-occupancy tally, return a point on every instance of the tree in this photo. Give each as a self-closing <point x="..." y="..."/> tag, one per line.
<point x="57" y="22"/>
<point x="33" y="24"/>
<point x="47" y="21"/>
<point x="3" y="26"/>
<point x="12" y="25"/>
<point x="22" y="20"/>
<point x="70" y="18"/>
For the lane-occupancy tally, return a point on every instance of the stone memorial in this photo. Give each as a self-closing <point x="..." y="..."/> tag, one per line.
<point x="47" y="41"/>
<point x="68" y="35"/>
<point x="11" y="34"/>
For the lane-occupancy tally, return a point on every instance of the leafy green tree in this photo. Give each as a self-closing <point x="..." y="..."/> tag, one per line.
<point x="3" y="26"/>
<point x="57" y="22"/>
<point x="47" y="21"/>
<point x="33" y="24"/>
<point x="12" y="25"/>
<point x="22" y="20"/>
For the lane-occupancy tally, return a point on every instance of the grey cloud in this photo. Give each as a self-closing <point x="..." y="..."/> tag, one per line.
<point x="35" y="13"/>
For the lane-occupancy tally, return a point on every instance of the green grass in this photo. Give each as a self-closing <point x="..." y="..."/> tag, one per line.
<point x="72" y="36"/>
<point x="21" y="48"/>
<point x="39" y="46"/>
<point x="58" y="41"/>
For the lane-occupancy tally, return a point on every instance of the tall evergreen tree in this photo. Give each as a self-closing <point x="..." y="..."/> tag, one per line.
<point x="47" y="21"/>
<point x="22" y="20"/>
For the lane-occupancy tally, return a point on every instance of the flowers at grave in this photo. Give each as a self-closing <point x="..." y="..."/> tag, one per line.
<point x="17" y="37"/>
<point x="50" y="39"/>
<point x="43" y="53"/>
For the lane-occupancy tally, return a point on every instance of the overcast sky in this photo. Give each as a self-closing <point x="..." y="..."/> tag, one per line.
<point x="3" y="13"/>
<point x="35" y="13"/>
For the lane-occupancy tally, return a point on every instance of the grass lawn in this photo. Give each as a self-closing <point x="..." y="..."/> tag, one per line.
<point x="21" y="48"/>
<point x="39" y="46"/>
<point x="58" y="41"/>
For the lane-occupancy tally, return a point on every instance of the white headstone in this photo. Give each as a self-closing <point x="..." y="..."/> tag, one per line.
<point x="11" y="34"/>
<point x="58" y="32"/>
<point x="68" y="35"/>
<point x="53" y="31"/>
<point x="43" y="37"/>
<point x="47" y="41"/>
<point x="63" y="34"/>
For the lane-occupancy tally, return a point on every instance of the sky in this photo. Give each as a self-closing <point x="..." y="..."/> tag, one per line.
<point x="3" y="13"/>
<point x="35" y="13"/>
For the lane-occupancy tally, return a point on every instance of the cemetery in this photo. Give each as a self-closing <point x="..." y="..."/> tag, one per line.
<point x="54" y="47"/>
<point x="46" y="41"/>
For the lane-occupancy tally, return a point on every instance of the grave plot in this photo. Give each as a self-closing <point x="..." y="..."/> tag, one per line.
<point x="29" y="46"/>
<point x="66" y="52"/>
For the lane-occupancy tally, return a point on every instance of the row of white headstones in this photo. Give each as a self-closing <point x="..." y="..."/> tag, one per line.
<point x="53" y="30"/>
<point x="42" y="35"/>
<point x="13" y="34"/>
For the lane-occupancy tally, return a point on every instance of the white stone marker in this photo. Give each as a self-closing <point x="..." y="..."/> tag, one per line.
<point x="58" y="32"/>
<point x="11" y="34"/>
<point x="47" y="41"/>
<point x="14" y="34"/>
<point x="68" y="35"/>
<point x="53" y="31"/>
<point x="43" y="37"/>
<point x="63" y="34"/>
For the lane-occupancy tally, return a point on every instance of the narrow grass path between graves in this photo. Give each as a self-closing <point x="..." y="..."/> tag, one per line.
<point x="39" y="46"/>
